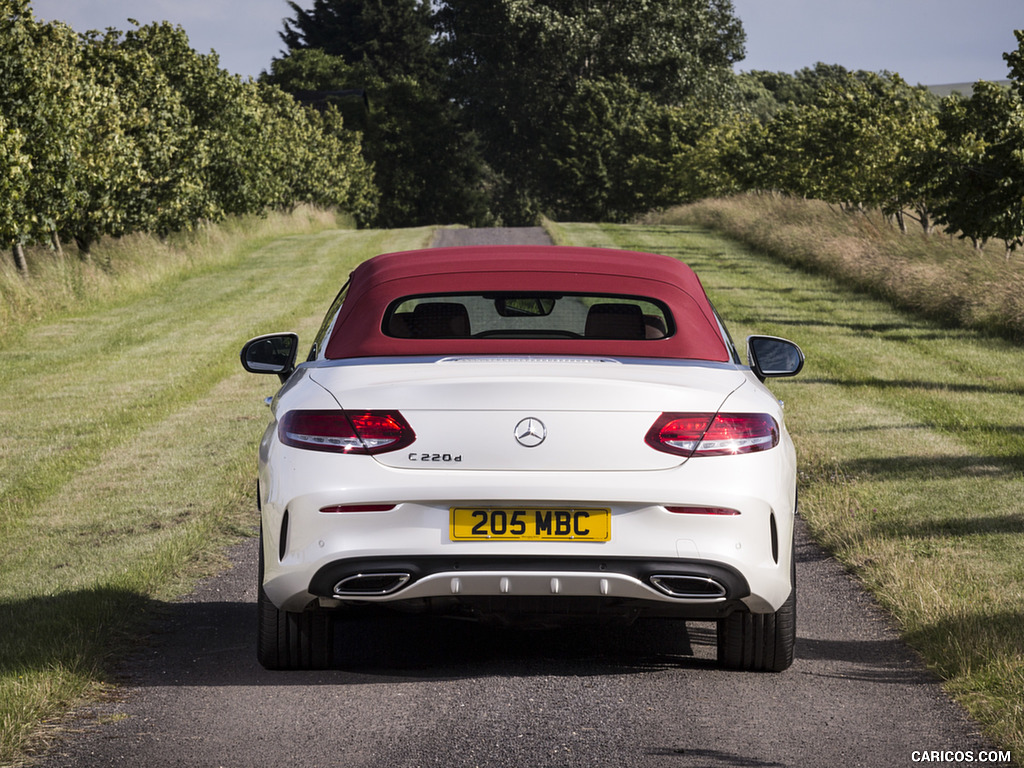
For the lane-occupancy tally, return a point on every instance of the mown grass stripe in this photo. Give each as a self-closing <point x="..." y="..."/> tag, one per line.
<point x="98" y="378"/>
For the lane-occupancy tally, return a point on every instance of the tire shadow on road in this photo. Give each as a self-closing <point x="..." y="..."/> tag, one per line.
<point x="213" y="644"/>
<point x="208" y="640"/>
<point x="388" y="642"/>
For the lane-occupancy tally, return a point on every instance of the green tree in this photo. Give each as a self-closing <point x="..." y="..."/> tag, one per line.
<point x="181" y="146"/>
<point x="1015" y="61"/>
<point x="41" y="101"/>
<point x="534" y="78"/>
<point x="867" y="136"/>
<point x="979" y="176"/>
<point x="249" y="146"/>
<point x="615" y="152"/>
<point x="311" y="158"/>
<point x="860" y="141"/>
<point x="134" y="161"/>
<point x="15" y="21"/>
<point x="715" y="163"/>
<point x="672" y="50"/>
<point x="426" y="166"/>
<point x="104" y="175"/>
<point x="105" y="134"/>
<point x="388" y="39"/>
<point x="981" y="193"/>
<point x="14" y="165"/>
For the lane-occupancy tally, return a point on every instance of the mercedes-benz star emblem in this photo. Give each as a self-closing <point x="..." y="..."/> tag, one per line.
<point x="530" y="432"/>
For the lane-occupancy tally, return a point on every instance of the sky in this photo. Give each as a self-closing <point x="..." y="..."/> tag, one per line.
<point x="931" y="42"/>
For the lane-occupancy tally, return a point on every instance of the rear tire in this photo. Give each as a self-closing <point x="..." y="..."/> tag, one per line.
<point x="759" y="642"/>
<point x="289" y="640"/>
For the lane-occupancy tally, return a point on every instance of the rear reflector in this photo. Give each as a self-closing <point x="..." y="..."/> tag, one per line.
<point x="359" y="432"/>
<point x="710" y="434"/>
<point x="702" y="510"/>
<point x="358" y="508"/>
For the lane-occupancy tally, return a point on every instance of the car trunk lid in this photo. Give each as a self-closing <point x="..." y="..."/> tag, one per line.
<point x="530" y="413"/>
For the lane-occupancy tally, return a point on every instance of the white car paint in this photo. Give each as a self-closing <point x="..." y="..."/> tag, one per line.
<point x="594" y="455"/>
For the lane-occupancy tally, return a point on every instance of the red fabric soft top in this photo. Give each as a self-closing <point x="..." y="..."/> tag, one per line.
<point x="378" y="281"/>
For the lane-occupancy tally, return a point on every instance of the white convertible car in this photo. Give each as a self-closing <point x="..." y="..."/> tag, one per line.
<point x="522" y="434"/>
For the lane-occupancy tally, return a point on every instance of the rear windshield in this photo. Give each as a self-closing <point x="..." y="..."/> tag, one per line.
<point x="527" y="316"/>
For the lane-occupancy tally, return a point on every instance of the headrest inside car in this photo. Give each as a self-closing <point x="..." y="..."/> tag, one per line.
<point x="439" y="320"/>
<point x="615" y="321"/>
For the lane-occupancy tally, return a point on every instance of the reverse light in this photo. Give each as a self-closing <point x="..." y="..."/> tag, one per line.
<point x="358" y="432"/>
<point x="713" y="434"/>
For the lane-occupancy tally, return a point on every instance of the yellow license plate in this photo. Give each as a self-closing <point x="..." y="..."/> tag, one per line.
<point x="530" y="524"/>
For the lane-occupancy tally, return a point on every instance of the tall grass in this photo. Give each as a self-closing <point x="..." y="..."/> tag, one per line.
<point x="119" y="267"/>
<point x="942" y="278"/>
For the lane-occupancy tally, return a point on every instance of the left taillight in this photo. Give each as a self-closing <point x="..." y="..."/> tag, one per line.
<point x="713" y="434"/>
<point x="358" y="432"/>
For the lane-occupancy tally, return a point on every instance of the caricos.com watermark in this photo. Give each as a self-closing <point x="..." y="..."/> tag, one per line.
<point x="960" y="756"/>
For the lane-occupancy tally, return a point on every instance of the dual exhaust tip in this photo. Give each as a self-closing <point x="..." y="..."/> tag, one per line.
<point x="680" y="586"/>
<point x="689" y="586"/>
<point x="371" y="584"/>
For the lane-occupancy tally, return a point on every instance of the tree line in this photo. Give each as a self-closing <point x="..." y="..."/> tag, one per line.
<point x="479" y="112"/>
<point x="109" y="133"/>
<point x="869" y="140"/>
<point x="498" y="111"/>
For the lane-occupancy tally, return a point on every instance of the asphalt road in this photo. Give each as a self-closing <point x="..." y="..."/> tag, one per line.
<point x="491" y="236"/>
<point x="437" y="692"/>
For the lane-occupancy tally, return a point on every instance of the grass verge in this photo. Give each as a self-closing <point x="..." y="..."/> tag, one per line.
<point x="934" y="276"/>
<point x="127" y="460"/>
<point x="909" y="438"/>
<point x="121" y="267"/>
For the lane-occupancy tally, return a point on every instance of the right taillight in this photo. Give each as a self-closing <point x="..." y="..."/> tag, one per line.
<point x="713" y="434"/>
<point x="359" y="432"/>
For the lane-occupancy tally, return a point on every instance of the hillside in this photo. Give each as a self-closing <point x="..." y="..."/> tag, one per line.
<point x="964" y="89"/>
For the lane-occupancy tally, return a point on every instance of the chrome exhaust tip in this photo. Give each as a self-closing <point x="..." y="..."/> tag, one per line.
<point x="688" y="586"/>
<point x="371" y="584"/>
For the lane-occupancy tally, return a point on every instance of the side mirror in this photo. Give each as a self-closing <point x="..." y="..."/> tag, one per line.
<point x="273" y="353"/>
<point x="771" y="356"/>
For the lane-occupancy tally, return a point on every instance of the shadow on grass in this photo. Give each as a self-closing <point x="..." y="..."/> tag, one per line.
<point x="916" y="384"/>
<point x="977" y="524"/>
<point x="981" y="639"/>
<point x="83" y="631"/>
<point x="933" y="467"/>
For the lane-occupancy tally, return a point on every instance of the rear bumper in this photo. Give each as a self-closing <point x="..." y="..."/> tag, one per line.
<point x="308" y="552"/>
<point x="506" y="585"/>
